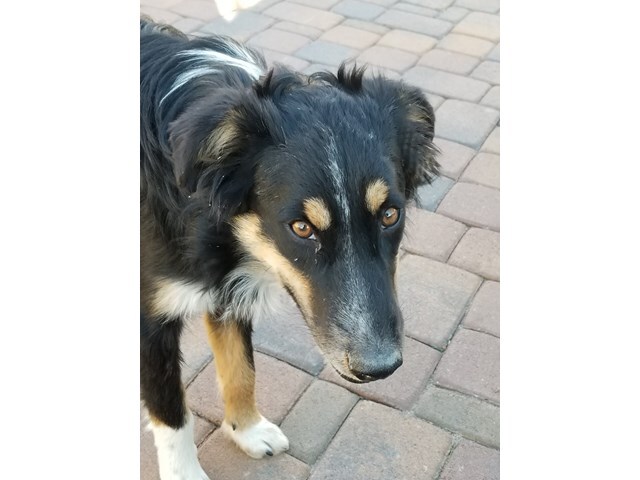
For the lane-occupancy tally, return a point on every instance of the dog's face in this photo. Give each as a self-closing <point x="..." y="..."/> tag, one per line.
<point x="315" y="183"/>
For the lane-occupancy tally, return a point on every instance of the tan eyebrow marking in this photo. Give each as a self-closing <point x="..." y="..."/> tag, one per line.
<point x="317" y="212"/>
<point x="375" y="195"/>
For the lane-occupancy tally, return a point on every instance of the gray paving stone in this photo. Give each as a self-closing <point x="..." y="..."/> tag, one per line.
<point x="321" y="4"/>
<point x="329" y="53"/>
<point x="411" y="8"/>
<point x="470" y="461"/>
<point x="415" y="23"/>
<point x="287" y="337"/>
<point x="490" y="6"/>
<point x="430" y="196"/>
<point x="447" y="84"/>
<point x="466" y="44"/>
<point x="222" y="459"/>
<point x="159" y="15"/>
<point x="475" y="205"/>
<point x="278" y="40"/>
<point x="195" y="349"/>
<point x="471" y="364"/>
<point x="358" y="9"/>
<point x="148" y="457"/>
<point x="484" y="170"/>
<point x="492" y="98"/>
<point x="488" y="71"/>
<point x="369" y="26"/>
<point x="273" y="57"/>
<point x="305" y="15"/>
<point x="434" y="100"/>
<point x="449" y="61"/>
<point x="464" y="122"/>
<point x="492" y="144"/>
<point x="494" y="54"/>
<point x="263" y="4"/>
<point x="188" y="25"/>
<point x="454" y="14"/>
<point x="199" y="9"/>
<point x="386" y="57"/>
<point x="431" y="235"/>
<point x="278" y="386"/>
<point x="479" y="24"/>
<point x="350" y="36"/>
<point x="433" y="297"/>
<point x="380" y="443"/>
<point x="453" y="157"/>
<point x="160" y="4"/>
<point x="437" y="4"/>
<point x="403" y="387"/>
<point x="384" y="3"/>
<point x="479" y="252"/>
<point x="410" y="41"/>
<point x="292" y="27"/>
<point x="467" y="415"/>
<point x="244" y="25"/>
<point x="484" y="314"/>
<point x="315" y="419"/>
<point x="319" y="67"/>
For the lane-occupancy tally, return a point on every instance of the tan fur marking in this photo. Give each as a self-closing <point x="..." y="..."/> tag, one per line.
<point x="249" y="233"/>
<point x="317" y="212"/>
<point x="375" y="195"/>
<point x="235" y="375"/>
<point x="222" y="136"/>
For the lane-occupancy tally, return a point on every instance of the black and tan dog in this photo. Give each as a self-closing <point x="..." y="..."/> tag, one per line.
<point x="254" y="178"/>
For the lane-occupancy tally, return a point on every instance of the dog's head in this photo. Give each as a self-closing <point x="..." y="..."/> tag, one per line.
<point x="314" y="175"/>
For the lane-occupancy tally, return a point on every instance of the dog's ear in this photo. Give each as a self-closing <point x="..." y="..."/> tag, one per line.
<point x="414" y="121"/>
<point x="214" y="146"/>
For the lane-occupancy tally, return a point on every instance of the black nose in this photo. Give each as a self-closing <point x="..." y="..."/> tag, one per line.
<point x="374" y="366"/>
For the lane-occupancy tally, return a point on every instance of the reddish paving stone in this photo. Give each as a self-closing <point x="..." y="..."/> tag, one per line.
<point x="388" y="58"/>
<point x="470" y="461"/>
<point x="380" y="443"/>
<point x="204" y="10"/>
<point x="305" y="15"/>
<point x="433" y="297"/>
<point x="277" y="57"/>
<point x="488" y="71"/>
<point x="201" y="429"/>
<point x="315" y="419"/>
<point x="479" y="252"/>
<point x="429" y="196"/>
<point x="431" y="235"/>
<point x="464" y="414"/>
<point x="453" y="157"/>
<point x="195" y="349"/>
<point x="278" y="40"/>
<point x="474" y="46"/>
<point x="278" y="386"/>
<point x="148" y="456"/>
<point x="492" y="98"/>
<point x="304" y="30"/>
<point x="471" y="364"/>
<point x="492" y="144"/>
<point x="475" y="205"/>
<point x="415" y="23"/>
<point x="449" y="61"/>
<point x="454" y="14"/>
<point x="222" y="459"/>
<point x="244" y="25"/>
<point x="464" y="122"/>
<point x="447" y="84"/>
<point x="402" y="388"/>
<point x="484" y="314"/>
<point x="328" y="53"/>
<point x="410" y="41"/>
<point x="478" y="24"/>
<point x="358" y="9"/>
<point x="490" y="6"/>
<point x="287" y="337"/>
<point x="368" y="26"/>
<point x="484" y="169"/>
<point x="351" y="37"/>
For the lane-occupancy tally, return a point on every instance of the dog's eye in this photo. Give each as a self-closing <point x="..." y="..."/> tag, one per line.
<point x="390" y="217"/>
<point x="303" y="229"/>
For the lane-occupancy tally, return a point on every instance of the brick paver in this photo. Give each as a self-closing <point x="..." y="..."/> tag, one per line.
<point x="380" y="443"/>
<point x="437" y="417"/>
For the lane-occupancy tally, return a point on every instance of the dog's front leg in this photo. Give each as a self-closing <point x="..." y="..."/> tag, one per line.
<point x="233" y="354"/>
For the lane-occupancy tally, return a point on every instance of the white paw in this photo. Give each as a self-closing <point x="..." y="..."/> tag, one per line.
<point x="263" y="438"/>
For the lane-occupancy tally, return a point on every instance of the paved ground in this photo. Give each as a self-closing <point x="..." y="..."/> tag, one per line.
<point x="437" y="417"/>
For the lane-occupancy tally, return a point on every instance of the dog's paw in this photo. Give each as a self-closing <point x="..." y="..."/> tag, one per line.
<point x="263" y="438"/>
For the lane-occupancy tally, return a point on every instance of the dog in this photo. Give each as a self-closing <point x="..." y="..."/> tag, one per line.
<point x="253" y="179"/>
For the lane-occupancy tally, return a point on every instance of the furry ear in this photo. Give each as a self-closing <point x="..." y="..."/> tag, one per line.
<point x="214" y="146"/>
<point x="414" y="122"/>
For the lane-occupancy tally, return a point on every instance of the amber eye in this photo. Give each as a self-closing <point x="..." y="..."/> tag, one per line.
<point x="390" y="217"/>
<point x="302" y="229"/>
